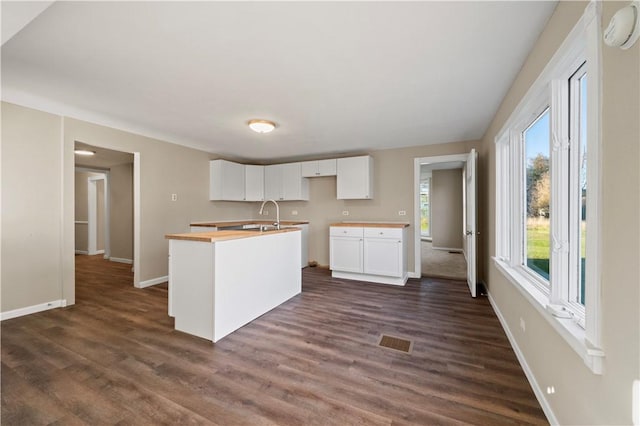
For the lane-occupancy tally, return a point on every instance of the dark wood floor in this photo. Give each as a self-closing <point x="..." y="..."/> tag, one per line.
<point x="114" y="358"/>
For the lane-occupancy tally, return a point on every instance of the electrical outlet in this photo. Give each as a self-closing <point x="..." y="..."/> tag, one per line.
<point x="523" y="325"/>
<point x="174" y="197"/>
<point x="551" y="390"/>
<point x="402" y="213"/>
<point x="294" y="212"/>
<point x="345" y="212"/>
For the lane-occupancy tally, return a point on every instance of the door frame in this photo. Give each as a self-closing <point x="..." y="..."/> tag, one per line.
<point x="463" y="158"/>
<point x="92" y="213"/>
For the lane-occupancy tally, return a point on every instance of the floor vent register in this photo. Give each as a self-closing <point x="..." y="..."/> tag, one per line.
<point x="395" y="343"/>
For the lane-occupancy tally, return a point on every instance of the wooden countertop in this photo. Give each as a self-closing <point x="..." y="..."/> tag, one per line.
<point x="373" y="224"/>
<point x="214" y="236"/>
<point x="248" y="222"/>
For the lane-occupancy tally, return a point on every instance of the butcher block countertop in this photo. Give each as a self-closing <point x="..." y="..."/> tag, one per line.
<point x="248" y="222"/>
<point x="373" y="224"/>
<point x="214" y="236"/>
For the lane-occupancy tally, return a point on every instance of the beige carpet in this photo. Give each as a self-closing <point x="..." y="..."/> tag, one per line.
<point x="442" y="264"/>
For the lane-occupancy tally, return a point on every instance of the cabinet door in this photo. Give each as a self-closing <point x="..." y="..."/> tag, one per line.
<point x="294" y="186"/>
<point x="273" y="182"/>
<point x="309" y="168"/>
<point x="254" y="183"/>
<point x="226" y="180"/>
<point x="383" y="256"/>
<point x="327" y="167"/>
<point x="345" y="254"/>
<point x="355" y="178"/>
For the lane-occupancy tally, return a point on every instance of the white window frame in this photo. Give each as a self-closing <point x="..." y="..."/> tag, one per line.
<point x="579" y="326"/>
<point x="428" y="234"/>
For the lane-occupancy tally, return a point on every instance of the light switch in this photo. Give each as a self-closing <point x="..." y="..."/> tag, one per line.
<point x="174" y="197"/>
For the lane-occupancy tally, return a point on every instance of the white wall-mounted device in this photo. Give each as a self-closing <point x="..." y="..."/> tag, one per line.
<point x="624" y="27"/>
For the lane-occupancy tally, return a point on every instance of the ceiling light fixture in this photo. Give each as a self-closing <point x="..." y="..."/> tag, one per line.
<point x="84" y="152"/>
<point x="261" y="126"/>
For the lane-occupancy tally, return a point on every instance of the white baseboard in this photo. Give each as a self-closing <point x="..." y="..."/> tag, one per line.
<point x="457" y="250"/>
<point x="414" y="275"/>
<point x="82" y="252"/>
<point x="121" y="260"/>
<point x="540" y="396"/>
<point x="33" y="309"/>
<point x="93" y="253"/>
<point x="153" y="281"/>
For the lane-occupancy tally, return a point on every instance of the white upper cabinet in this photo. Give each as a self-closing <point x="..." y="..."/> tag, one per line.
<point x="253" y="183"/>
<point x="273" y="182"/>
<point x="226" y="181"/>
<point x="355" y="178"/>
<point x="319" y="168"/>
<point x="284" y="182"/>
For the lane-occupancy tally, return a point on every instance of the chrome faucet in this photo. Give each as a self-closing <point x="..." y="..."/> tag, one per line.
<point x="277" y="223"/>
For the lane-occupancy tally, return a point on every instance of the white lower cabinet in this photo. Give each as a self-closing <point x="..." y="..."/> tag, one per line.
<point x="369" y="254"/>
<point x="345" y="252"/>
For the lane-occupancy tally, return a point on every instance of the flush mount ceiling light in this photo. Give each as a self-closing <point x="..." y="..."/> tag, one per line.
<point x="84" y="152"/>
<point x="261" y="126"/>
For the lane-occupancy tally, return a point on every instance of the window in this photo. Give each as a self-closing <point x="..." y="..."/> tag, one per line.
<point x="547" y="191"/>
<point x="425" y="206"/>
<point x="537" y="196"/>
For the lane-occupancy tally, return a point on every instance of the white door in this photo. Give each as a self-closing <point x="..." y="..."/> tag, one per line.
<point x="383" y="256"/>
<point x="345" y="254"/>
<point x="470" y="219"/>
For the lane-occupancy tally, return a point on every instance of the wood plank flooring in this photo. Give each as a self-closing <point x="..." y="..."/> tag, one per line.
<point x="114" y="359"/>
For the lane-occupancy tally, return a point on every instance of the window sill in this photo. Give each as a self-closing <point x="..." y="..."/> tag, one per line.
<point x="571" y="332"/>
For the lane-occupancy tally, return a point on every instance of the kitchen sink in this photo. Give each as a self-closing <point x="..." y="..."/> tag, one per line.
<point x="263" y="228"/>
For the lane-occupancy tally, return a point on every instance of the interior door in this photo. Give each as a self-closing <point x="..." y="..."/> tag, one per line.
<point x="470" y="219"/>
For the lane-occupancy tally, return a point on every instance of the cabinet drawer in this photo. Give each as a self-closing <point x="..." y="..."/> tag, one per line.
<point x="345" y="231"/>
<point x="383" y="232"/>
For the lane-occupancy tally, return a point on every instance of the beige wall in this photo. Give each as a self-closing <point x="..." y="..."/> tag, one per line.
<point x="31" y="206"/>
<point x="121" y="206"/>
<point x="38" y="245"/>
<point x="582" y="397"/>
<point x="393" y="189"/>
<point x="165" y="168"/>
<point x="446" y="208"/>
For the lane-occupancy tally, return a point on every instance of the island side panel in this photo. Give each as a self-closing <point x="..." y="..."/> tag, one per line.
<point x="253" y="276"/>
<point x="192" y="286"/>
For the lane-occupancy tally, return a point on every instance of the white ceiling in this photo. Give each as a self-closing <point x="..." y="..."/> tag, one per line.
<point x="337" y="77"/>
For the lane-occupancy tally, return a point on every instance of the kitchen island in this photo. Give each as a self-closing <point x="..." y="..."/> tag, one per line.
<point x="222" y="280"/>
<point x="219" y="225"/>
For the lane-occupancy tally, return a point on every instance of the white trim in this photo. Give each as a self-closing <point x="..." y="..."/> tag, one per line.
<point x="121" y="260"/>
<point x="92" y="201"/>
<point x="153" y="281"/>
<point x="540" y="396"/>
<point x="136" y="219"/>
<point x="370" y="278"/>
<point x="61" y="303"/>
<point x="413" y="275"/>
<point x="82" y="252"/>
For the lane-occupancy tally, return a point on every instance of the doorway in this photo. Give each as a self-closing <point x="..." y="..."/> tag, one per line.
<point x="445" y="201"/>
<point x="107" y="206"/>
